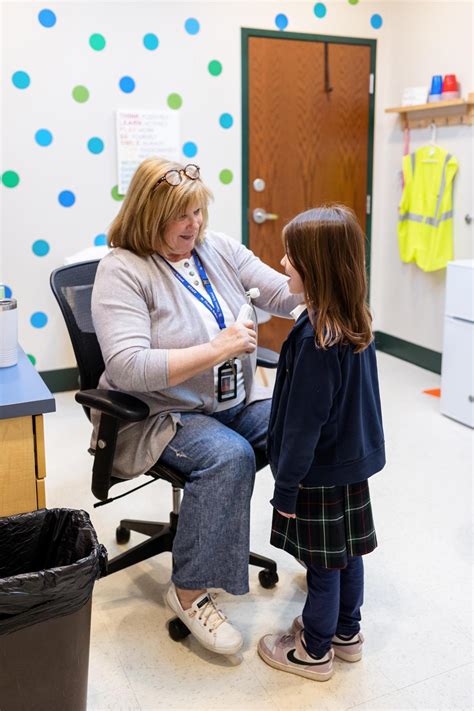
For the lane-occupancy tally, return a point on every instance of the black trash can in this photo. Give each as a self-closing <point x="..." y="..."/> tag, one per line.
<point x="49" y="562"/>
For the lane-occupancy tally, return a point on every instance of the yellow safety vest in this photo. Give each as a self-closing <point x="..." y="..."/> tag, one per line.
<point x="425" y="222"/>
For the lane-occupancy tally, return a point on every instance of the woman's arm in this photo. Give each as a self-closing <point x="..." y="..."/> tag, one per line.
<point x="122" y="322"/>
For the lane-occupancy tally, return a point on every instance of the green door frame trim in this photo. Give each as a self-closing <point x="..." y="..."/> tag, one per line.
<point x="246" y="33"/>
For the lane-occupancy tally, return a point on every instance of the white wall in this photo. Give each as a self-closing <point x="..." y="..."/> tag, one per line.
<point x="416" y="40"/>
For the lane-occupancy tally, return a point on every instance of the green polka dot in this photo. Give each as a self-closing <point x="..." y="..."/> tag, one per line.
<point x="32" y="358"/>
<point x="353" y="2"/>
<point x="226" y="176"/>
<point x="174" y="101"/>
<point x="215" y="68"/>
<point x="115" y="194"/>
<point x="97" y="42"/>
<point x="10" y="179"/>
<point x="80" y="94"/>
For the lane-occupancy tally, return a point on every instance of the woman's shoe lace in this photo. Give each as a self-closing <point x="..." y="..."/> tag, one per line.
<point x="211" y="615"/>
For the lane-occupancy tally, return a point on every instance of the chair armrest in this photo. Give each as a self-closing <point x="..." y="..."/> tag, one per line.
<point x="120" y="405"/>
<point x="267" y="358"/>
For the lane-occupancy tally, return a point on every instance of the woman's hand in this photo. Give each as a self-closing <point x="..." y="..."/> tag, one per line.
<point x="238" y="338"/>
<point x="286" y="515"/>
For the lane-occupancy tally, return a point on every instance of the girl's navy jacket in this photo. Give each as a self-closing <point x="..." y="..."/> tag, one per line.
<point x="325" y="424"/>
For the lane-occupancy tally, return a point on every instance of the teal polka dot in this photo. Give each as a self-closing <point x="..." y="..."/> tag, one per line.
<point x="10" y="179"/>
<point x="226" y="176"/>
<point x="43" y="137"/>
<point x="66" y="198"/>
<point x="39" y="319"/>
<point x="190" y="149"/>
<point x="97" y="42"/>
<point x="226" y="120"/>
<point x="95" y="145"/>
<point x="21" y="80"/>
<point x="281" y="21"/>
<point x="31" y="358"/>
<point x="8" y="291"/>
<point x="100" y="240"/>
<point x="151" y="41"/>
<point x="40" y="247"/>
<point x="127" y="85"/>
<point x="215" y="68"/>
<point x="320" y="10"/>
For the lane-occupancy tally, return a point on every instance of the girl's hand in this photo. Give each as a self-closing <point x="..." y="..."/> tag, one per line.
<point x="238" y="338"/>
<point x="286" y="515"/>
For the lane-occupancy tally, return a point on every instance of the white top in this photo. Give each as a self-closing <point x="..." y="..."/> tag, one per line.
<point x="187" y="268"/>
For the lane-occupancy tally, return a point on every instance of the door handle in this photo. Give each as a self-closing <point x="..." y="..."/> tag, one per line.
<point x="260" y="215"/>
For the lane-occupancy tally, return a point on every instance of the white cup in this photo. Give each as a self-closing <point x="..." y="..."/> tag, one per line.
<point x="8" y="333"/>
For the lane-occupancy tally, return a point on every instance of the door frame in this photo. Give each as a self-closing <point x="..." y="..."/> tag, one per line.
<point x="246" y="33"/>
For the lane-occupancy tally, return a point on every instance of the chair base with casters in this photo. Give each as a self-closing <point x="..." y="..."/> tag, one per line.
<point x="72" y="286"/>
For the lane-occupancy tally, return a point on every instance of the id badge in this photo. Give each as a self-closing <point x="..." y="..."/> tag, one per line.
<point x="226" y="382"/>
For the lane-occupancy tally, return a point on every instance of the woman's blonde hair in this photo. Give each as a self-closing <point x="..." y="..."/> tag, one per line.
<point x="326" y="246"/>
<point x="149" y="207"/>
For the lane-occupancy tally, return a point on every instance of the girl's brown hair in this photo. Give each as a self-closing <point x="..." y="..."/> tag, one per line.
<point x="148" y="207"/>
<point x="326" y="246"/>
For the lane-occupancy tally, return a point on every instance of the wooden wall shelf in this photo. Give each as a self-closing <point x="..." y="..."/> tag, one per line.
<point x="442" y="113"/>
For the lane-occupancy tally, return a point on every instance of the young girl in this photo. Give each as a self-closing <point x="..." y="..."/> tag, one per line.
<point x="325" y="439"/>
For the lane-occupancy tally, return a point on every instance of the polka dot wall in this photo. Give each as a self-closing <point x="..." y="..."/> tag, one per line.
<point x="59" y="186"/>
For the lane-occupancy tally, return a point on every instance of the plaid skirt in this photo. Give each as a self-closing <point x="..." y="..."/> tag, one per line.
<point x="332" y="523"/>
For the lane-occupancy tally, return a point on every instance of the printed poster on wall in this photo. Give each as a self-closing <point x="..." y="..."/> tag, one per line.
<point x="141" y="134"/>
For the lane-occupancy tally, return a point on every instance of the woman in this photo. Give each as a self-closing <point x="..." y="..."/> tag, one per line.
<point x="164" y="306"/>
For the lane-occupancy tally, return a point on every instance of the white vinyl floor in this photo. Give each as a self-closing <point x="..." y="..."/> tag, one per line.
<point x="417" y="616"/>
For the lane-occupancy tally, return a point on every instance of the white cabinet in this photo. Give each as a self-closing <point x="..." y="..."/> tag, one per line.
<point x="457" y="372"/>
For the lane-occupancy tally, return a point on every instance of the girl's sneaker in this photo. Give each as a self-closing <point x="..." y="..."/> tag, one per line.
<point x="347" y="648"/>
<point x="287" y="653"/>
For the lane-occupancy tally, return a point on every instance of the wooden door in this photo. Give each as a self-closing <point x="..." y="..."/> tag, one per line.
<point x="308" y="137"/>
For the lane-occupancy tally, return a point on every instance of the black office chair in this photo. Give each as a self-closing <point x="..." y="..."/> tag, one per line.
<point x="72" y="287"/>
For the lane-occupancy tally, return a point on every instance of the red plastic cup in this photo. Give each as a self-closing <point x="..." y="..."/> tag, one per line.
<point x="450" y="83"/>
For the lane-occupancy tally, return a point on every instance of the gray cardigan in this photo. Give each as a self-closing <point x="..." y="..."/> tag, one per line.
<point x="140" y="311"/>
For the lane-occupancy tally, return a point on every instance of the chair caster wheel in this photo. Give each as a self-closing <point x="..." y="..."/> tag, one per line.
<point x="177" y="630"/>
<point x="122" y="535"/>
<point x="268" y="578"/>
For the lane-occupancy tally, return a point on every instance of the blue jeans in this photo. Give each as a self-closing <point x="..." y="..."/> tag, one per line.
<point x="333" y="604"/>
<point x="215" y="452"/>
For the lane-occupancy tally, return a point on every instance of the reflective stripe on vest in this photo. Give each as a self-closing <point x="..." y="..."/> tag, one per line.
<point x="433" y="221"/>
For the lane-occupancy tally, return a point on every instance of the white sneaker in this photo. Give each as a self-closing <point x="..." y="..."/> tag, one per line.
<point x="206" y="623"/>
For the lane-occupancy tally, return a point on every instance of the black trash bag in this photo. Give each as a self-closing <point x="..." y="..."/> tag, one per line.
<point x="49" y="562"/>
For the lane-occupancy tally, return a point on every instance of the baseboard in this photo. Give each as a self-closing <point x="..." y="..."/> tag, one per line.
<point x="418" y="355"/>
<point x="60" y="380"/>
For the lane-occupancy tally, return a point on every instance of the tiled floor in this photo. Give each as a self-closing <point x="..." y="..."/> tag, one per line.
<point x="417" y="613"/>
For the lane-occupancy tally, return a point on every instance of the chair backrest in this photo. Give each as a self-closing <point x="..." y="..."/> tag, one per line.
<point x="72" y="286"/>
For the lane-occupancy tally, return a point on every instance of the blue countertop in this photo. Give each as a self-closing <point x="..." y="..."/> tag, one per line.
<point x="22" y="390"/>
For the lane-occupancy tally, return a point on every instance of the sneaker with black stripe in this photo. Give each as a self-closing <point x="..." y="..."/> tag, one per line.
<point x="288" y="653"/>
<point x="347" y="648"/>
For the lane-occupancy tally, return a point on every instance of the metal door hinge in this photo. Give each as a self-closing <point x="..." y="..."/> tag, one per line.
<point x="368" y="204"/>
<point x="371" y="83"/>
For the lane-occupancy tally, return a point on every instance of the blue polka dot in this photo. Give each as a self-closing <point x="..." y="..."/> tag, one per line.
<point x="43" y="137"/>
<point x="47" y="18"/>
<point x="190" y="149"/>
<point x="320" y="10"/>
<point x="192" y="26"/>
<point x="40" y="247"/>
<point x="39" y="319"/>
<point x="100" y="240"/>
<point x="151" y="41"/>
<point x="95" y="145"/>
<point x="376" y="21"/>
<point x="226" y="120"/>
<point x="127" y="84"/>
<point x="281" y="21"/>
<point x="8" y="291"/>
<point x="66" y="198"/>
<point x="21" y="80"/>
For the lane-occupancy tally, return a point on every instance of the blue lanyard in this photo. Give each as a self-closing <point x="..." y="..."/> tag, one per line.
<point x="214" y="307"/>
